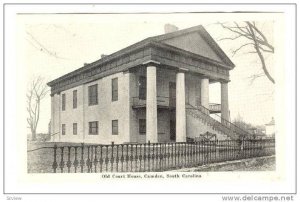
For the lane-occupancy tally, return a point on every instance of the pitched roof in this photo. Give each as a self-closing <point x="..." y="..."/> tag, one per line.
<point x="157" y="40"/>
<point x="200" y="29"/>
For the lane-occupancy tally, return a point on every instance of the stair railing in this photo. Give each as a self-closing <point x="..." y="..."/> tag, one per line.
<point x="232" y="127"/>
<point x="216" y="125"/>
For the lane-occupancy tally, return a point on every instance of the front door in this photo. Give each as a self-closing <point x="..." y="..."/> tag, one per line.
<point x="172" y="94"/>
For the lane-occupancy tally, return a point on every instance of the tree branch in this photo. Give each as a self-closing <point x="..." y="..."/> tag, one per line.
<point x="239" y="48"/>
<point x="254" y="77"/>
<point x="260" y="55"/>
<point x="255" y="37"/>
<point x="230" y="38"/>
<point x="42" y="47"/>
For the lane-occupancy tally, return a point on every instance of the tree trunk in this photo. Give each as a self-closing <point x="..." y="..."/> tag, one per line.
<point x="33" y="135"/>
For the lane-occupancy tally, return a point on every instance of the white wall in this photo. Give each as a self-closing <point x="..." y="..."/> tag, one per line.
<point x="195" y="127"/>
<point x="128" y="119"/>
<point x="104" y="112"/>
<point x="70" y="116"/>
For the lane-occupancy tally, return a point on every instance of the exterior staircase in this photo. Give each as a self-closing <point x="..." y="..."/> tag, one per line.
<point x="225" y="127"/>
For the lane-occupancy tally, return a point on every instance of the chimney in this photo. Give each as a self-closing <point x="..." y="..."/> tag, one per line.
<point x="170" y="28"/>
<point x="103" y="55"/>
<point x="85" y="64"/>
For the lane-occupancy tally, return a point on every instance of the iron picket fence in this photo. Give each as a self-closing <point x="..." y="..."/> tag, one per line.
<point x="155" y="157"/>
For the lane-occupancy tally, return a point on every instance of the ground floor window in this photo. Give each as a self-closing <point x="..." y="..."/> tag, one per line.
<point x="74" y="128"/>
<point x="63" y="129"/>
<point x="142" y="126"/>
<point x="93" y="128"/>
<point x="115" y="129"/>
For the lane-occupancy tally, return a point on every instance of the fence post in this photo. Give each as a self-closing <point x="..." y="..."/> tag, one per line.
<point x="75" y="160"/>
<point x="160" y="157"/>
<point x="127" y="158"/>
<point x="101" y="158"/>
<point x="136" y="157"/>
<point x="149" y="156"/>
<point x="131" y="157"/>
<point x="122" y="157"/>
<point x="117" y="159"/>
<point x="95" y="159"/>
<point x="82" y="160"/>
<point x="217" y="150"/>
<point x="88" y="159"/>
<point x="62" y="163"/>
<point x="54" y="165"/>
<point x="153" y="157"/>
<point x="106" y="158"/>
<point x="69" y="159"/>
<point x="112" y="157"/>
<point x="241" y="148"/>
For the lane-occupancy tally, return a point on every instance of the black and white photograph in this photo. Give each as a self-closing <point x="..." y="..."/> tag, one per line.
<point x="149" y="106"/>
<point x="159" y="95"/>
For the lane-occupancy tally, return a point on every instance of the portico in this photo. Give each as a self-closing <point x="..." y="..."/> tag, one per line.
<point x="152" y="98"/>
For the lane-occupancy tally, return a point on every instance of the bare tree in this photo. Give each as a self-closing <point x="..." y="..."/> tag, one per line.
<point x="253" y="37"/>
<point x="36" y="92"/>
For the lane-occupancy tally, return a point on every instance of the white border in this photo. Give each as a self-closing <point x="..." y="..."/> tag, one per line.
<point x="13" y="183"/>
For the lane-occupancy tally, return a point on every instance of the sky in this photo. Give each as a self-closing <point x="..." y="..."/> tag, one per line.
<point x="53" y="45"/>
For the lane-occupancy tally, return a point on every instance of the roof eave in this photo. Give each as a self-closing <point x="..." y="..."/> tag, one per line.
<point x="106" y="59"/>
<point x="148" y="42"/>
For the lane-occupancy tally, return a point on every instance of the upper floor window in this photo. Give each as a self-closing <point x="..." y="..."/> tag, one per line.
<point x="74" y="128"/>
<point x="142" y="87"/>
<point x="114" y="87"/>
<point x="63" y="129"/>
<point x="74" y="99"/>
<point x="93" y="94"/>
<point x="115" y="128"/>
<point x="93" y="128"/>
<point x="63" y="102"/>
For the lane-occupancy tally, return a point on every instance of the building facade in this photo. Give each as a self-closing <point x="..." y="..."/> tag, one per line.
<point x="156" y="90"/>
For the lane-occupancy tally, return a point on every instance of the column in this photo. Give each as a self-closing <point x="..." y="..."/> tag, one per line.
<point x="52" y="132"/>
<point x="59" y="117"/>
<point x="151" y="105"/>
<point x="129" y="117"/>
<point x="224" y="101"/>
<point x="180" y="107"/>
<point x="84" y="125"/>
<point x="205" y="92"/>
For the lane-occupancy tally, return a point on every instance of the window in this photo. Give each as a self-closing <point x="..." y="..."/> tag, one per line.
<point x="115" y="129"/>
<point x="114" y="87"/>
<point x="63" y="129"/>
<point x="93" y="94"/>
<point x="93" y="128"/>
<point x="74" y="99"/>
<point x="63" y="102"/>
<point x="142" y="126"/>
<point x="74" y="128"/>
<point x="142" y="87"/>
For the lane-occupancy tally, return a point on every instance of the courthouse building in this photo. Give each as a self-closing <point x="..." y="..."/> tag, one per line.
<point x="155" y="90"/>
